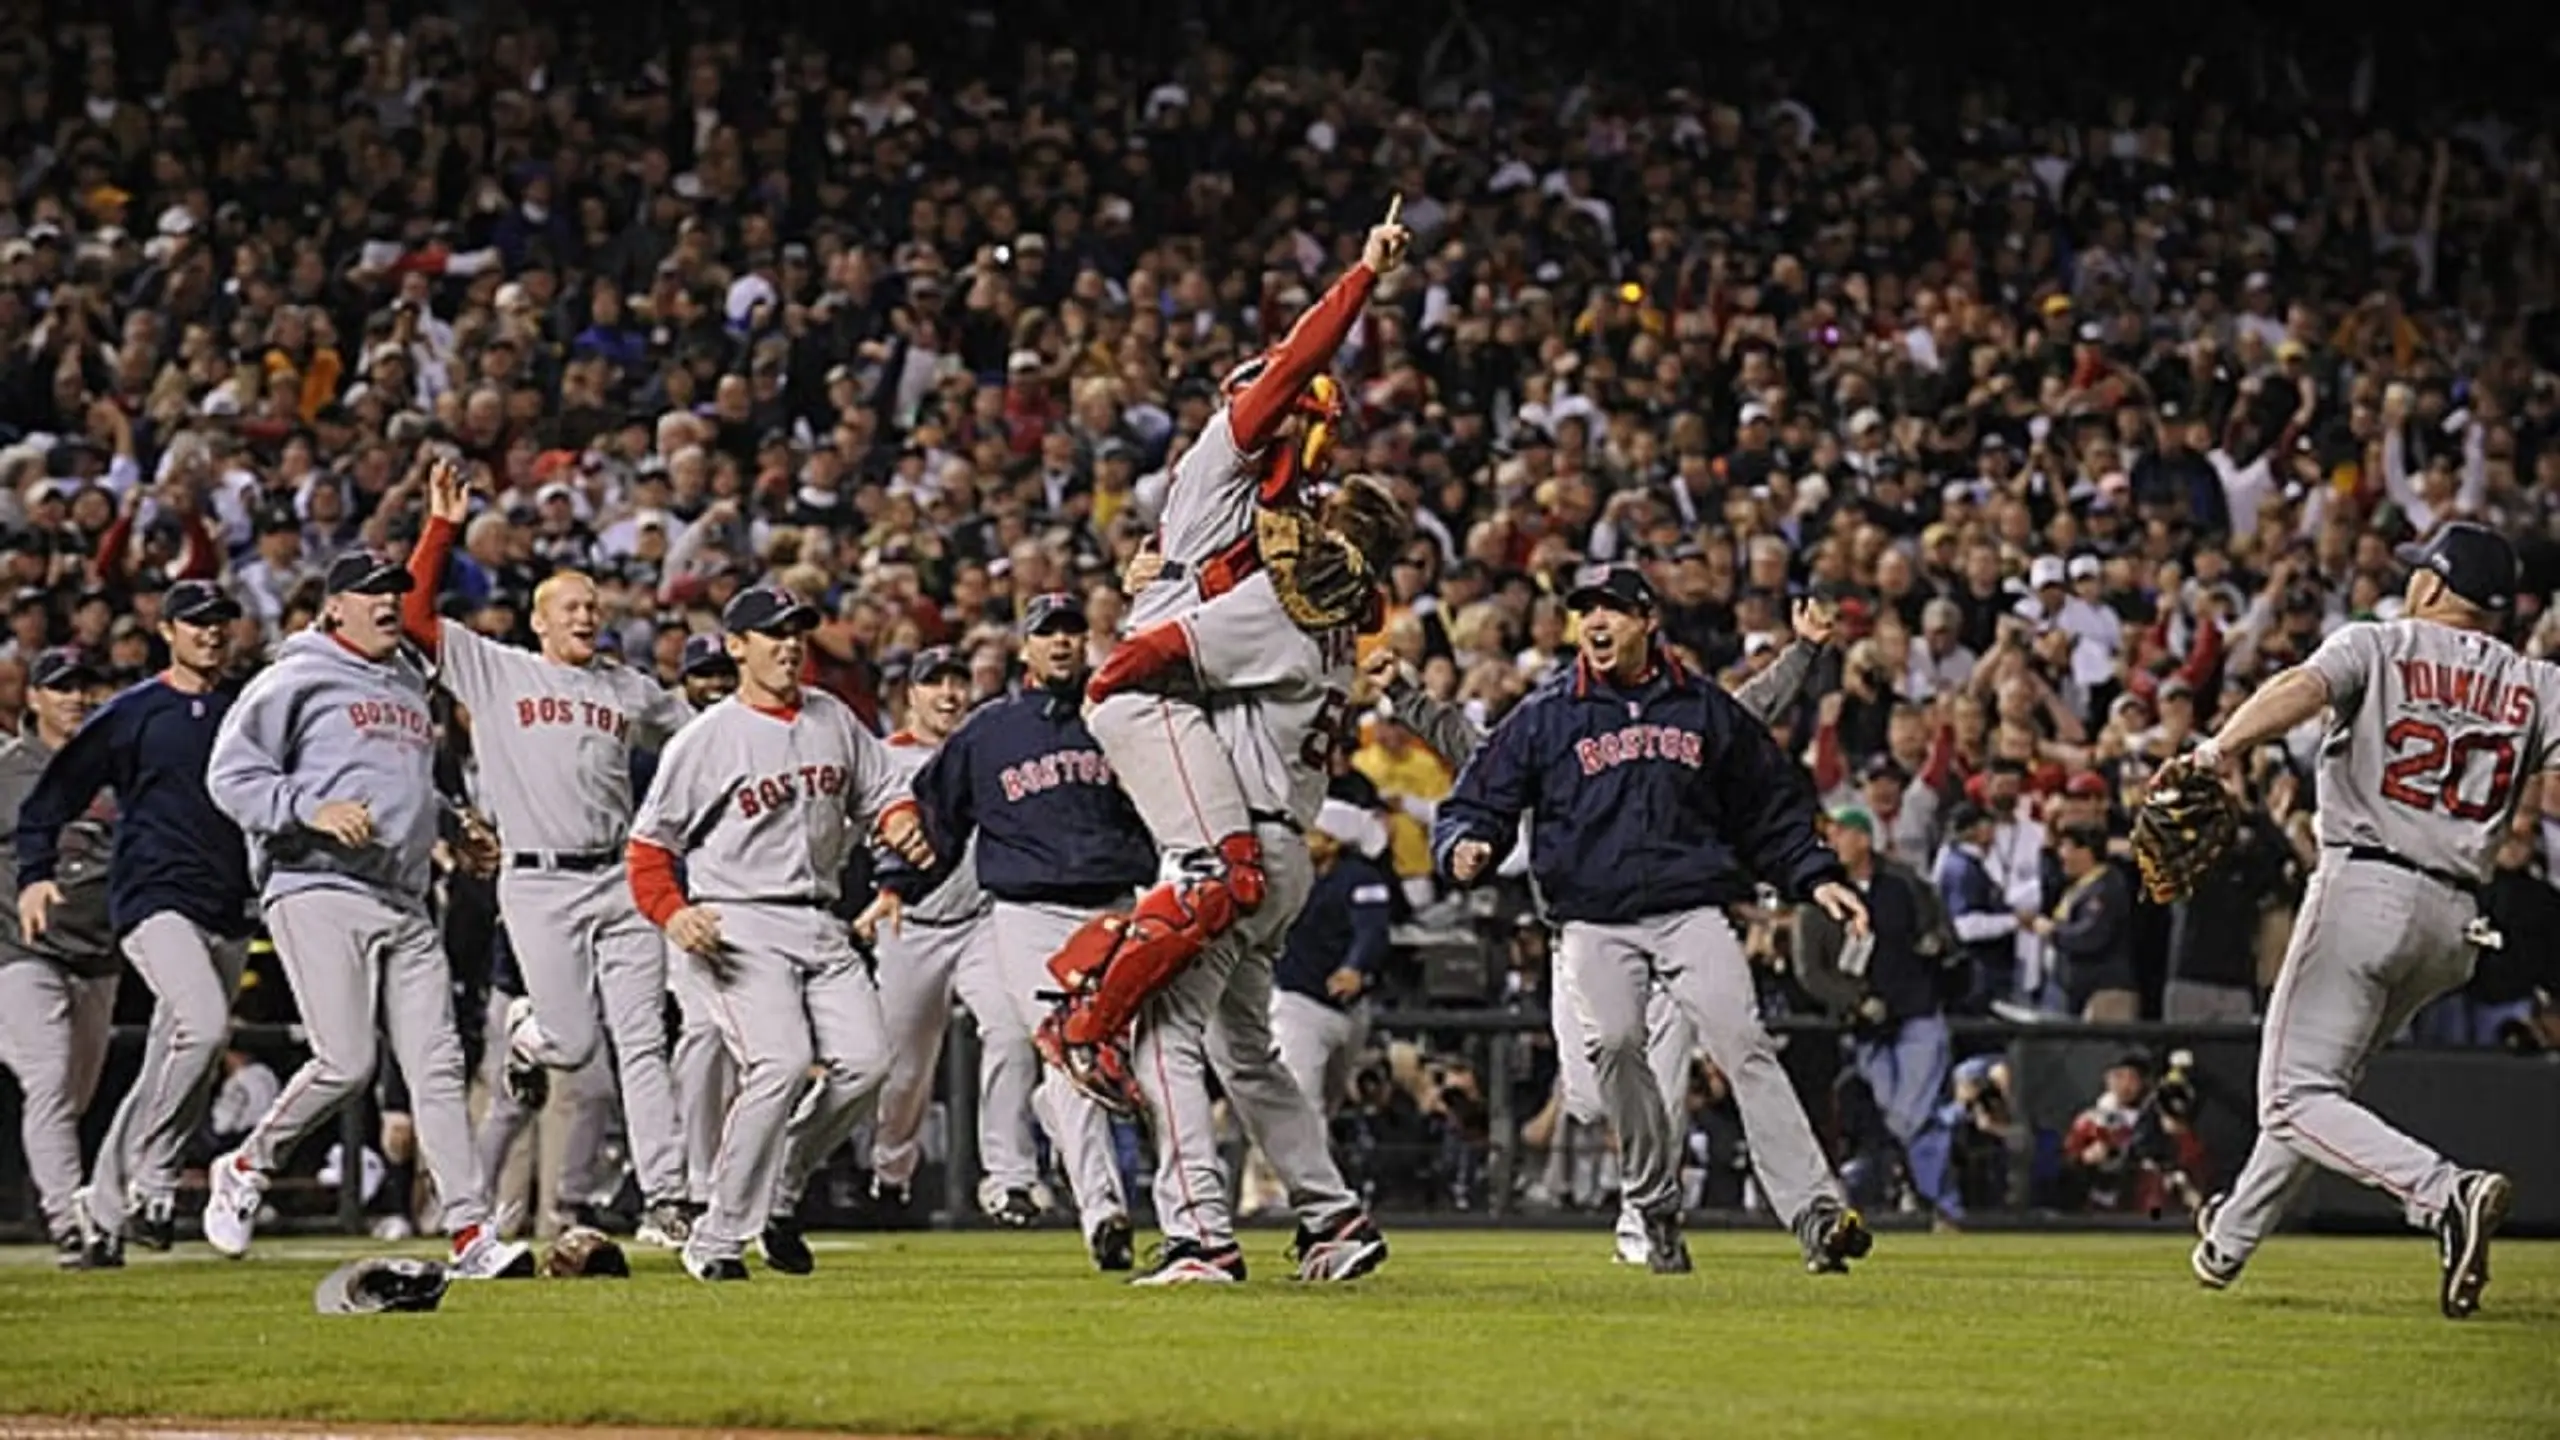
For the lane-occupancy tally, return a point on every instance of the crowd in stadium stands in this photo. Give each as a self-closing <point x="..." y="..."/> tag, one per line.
<point x="2081" y="416"/>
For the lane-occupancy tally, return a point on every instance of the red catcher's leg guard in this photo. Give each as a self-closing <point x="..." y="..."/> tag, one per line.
<point x="1137" y="954"/>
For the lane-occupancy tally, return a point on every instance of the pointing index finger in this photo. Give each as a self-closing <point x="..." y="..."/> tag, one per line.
<point x="1395" y="207"/>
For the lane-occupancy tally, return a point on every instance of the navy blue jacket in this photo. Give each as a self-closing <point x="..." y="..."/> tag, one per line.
<point x="174" y="850"/>
<point x="1343" y="926"/>
<point x="1052" y="824"/>
<point x="1646" y="801"/>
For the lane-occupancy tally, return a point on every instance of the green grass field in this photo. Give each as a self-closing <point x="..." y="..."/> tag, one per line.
<point x="1465" y="1334"/>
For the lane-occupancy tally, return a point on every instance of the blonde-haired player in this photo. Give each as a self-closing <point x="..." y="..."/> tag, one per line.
<point x="553" y="733"/>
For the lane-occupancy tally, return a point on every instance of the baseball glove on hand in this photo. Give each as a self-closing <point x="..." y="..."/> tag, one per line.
<point x="1320" y="577"/>
<point x="2187" y="823"/>
<point x="584" y="1253"/>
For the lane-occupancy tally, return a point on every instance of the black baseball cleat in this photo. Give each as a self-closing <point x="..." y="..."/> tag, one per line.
<point x="157" y="1226"/>
<point x="1114" y="1245"/>
<point x="726" y="1267"/>
<point x="784" y="1248"/>
<point x="1187" y="1262"/>
<point x="1666" y="1247"/>
<point x="2478" y="1208"/>
<point x="1836" y="1236"/>
<point x="1344" y="1250"/>
<point x="100" y="1248"/>
<point x="1019" y="1210"/>
<point x="2214" y="1270"/>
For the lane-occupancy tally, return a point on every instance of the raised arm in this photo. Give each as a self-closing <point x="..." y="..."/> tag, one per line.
<point x="448" y="505"/>
<point x="1309" y="346"/>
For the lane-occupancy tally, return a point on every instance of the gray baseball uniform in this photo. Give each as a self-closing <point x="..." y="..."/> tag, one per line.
<point x="762" y="810"/>
<point x="58" y="995"/>
<point x="945" y="943"/>
<point x="2431" y="730"/>
<point x="553" y="744"/>
<point x="584" y="1097"/>
<point x="350" y="923"/>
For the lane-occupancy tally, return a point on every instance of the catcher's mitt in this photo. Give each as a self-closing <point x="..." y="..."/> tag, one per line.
<point x="2187" y="823"/>
<point x="584" y="1253"/>
<point x="1321" y="578"/>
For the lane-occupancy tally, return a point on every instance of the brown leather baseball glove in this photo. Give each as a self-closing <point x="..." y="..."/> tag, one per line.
<point x="1322" y="580"/>
<point x="2187" y="823"/>
<point x="584" y="1253"/>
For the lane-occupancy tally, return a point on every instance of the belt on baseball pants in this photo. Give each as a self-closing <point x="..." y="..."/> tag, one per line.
<point x="2381" y="856"/>
<point x="577" y="862"/>
<point x="1281" y="818"/>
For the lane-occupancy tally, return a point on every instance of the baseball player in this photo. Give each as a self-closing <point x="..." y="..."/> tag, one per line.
<point x="327" y="764"/>
<point x="705" y="1077"/>
<point x="2434" y="725"/>
<point x="1671" y="1041"/>
<point x="760" y="799"/>
<point x="553" y="734"/>
<point x="942" y="944"/>
<point x="1654" y="799"/>
<point x="1255" y="460"/>
<point x="1333" y="953"/>
<point x="1056" y="843"/>
<point x="177" y="893"/>
<point x="58" y="985"/>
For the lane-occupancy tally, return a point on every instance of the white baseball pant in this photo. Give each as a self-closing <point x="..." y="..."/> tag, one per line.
<point x="2374" y="944"/>
<point x="1215" y="1017"/>
<point x="921" y="967"/>
<point x="582" y="1102"/>
<point x="706" y="1079"/>
<point x="1670" y="1040"/>
<point x="193" y="973"/>
<point x="580" y="941"/>
<point x="793" y="994"/>
<point x="1609" y="971"/>
<point x="1318" y="1044"/>
<point x="1176" y="771"/>
<point x="351" y="955"/>
<point x="1026" y="936"/>
<point x="53" y="1037"/>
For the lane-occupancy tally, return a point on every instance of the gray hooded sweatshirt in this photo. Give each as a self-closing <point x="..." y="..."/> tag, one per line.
<point x="323" y="723"/>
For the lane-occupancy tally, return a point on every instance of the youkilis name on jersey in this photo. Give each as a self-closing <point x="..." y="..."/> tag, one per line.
<point x="773" y="792"/>
<point x="2455" y="688"/>
<point x="532" y="710"/>
<point x="1058" y="767"/>
<point x="1639" y="742"/>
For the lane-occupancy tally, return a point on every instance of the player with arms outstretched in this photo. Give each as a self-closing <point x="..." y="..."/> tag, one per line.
<point x="2434" y="725"/>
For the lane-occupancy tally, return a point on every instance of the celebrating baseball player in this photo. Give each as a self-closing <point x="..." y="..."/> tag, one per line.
<point x="1242" y="513"/>
<point x="1654" y="800"/>
<point x="1025" y="784"/>
<point x="58" y="981"/>
<point x="327" y="764"/>
<point x="761" y="800"/>
<point x="553" y="733"/>
<point x="177" y="892"/>
<point x="2434" y="725"/>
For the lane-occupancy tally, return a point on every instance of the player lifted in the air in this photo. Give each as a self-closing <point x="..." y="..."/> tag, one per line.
<point x="1247" y="525"/>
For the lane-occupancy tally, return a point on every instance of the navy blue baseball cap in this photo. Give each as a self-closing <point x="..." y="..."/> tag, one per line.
<point x="2476" y="562"/>
<point x="63" y="667"/>
<point x="199" y="602"/>
<point x="1057" y="610"/>
<point x="1619" y="587"/>
<point x="366" y="572"/>
<point x="705" y="653"/>
<point x="768" y="610"/>
<point x="934" y="662"/>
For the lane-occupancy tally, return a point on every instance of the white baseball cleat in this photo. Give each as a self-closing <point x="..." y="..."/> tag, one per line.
<point x="527" y="1082"/>
<point x="1632" y="1246"/>
<point x="478" y="1254"/>
<point x="231" y="1206"/>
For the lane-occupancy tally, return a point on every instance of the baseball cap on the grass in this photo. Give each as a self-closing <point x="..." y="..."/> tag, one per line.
<point x="371" y="1286"/>
<point x="1620" y="587"/>
<point x="768" y="610"/>
<point x="704" y="654"/>
<point x="366" y="572"/>
<point x="933" y="662"/>
<point x="1053" y="611"/>
<point x="63" y="668"/>
<point x="198" y="602"/>
<point x="2476" y="562"/>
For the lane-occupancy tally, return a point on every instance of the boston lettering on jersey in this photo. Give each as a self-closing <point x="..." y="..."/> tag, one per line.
<point x="2457" y="688"/>
<point x="763" y="796"/>
<point x="393" y="720"/>
<point x="533" y="710"/>
<point x="1058" y="767"/>
<point x="1612" y="748"/>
